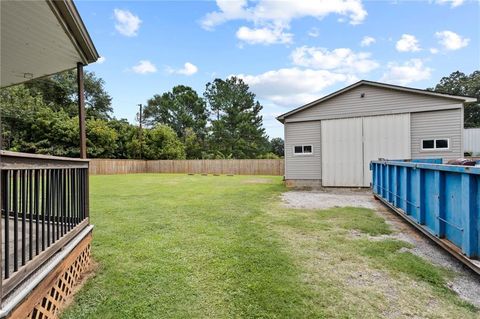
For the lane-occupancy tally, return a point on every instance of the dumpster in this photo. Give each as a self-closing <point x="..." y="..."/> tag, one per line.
<point x="443" y="201"/>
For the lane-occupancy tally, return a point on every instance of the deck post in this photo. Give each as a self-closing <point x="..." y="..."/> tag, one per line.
<point x="81" y="110"/>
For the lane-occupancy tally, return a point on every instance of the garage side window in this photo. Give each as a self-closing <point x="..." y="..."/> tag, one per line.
<point x="303" y="149"/>
<point x="435" y="144"/>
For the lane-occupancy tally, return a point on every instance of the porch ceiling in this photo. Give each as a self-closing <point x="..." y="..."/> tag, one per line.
<point x="40" y="38"/>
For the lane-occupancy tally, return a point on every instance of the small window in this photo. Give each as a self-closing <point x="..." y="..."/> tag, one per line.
<point x="298" y="149"/>
<point x="303" y="149"/>
<point x="441" y="143"/>
<point x="436" y="144"/>
<point x="428" y="144"/>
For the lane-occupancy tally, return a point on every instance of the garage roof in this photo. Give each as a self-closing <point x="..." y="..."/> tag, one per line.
<point x="459" y="98"/>
<point x="40" y="38"/>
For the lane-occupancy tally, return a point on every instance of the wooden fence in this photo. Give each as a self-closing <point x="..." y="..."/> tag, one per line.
<point x="235" y="167"/>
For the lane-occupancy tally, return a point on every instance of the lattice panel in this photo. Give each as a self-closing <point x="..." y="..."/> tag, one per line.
<point x="51" y="303"/>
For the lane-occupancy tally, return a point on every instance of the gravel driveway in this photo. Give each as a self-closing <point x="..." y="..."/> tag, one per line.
<point x="466" y="283"/>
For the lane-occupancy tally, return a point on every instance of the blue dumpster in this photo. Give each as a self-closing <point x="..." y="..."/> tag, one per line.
<point x="442" y="199"/>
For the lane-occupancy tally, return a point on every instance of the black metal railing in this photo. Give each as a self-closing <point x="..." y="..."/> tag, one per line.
<point x="44" y="200"/>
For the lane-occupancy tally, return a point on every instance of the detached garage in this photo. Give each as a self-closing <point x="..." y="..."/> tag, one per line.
<point x="331" y="141"/>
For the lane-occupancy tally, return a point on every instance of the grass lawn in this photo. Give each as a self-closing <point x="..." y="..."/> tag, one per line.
<point x="178" y="246"/>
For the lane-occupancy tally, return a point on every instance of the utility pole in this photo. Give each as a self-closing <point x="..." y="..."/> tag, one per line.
<point x="140" y="115"/>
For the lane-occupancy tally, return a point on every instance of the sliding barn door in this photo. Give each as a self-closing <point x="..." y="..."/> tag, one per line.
<point x="342" y="157"/>
<point x="386" y="136"/>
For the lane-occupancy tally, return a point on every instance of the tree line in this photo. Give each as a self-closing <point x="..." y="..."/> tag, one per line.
<point x="41" y="116"/>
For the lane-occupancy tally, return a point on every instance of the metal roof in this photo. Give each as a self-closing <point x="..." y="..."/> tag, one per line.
<point x="462" y="99"/>
<point x="40" y="38"/>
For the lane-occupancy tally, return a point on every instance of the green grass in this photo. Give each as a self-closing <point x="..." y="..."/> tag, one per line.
<point x="178" y="246"/>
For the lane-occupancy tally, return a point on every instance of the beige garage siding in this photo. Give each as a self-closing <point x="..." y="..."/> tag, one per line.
<point x="438" y="124"/>
<point x="303" y="166"/>
<point x="376" y="101"/>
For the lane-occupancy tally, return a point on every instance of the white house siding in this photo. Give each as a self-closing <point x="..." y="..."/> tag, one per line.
<point x="438" y="124"/>
<point x="472" y="140"/>
<point x="299" y="167"/>
<point x="376" y="101"/>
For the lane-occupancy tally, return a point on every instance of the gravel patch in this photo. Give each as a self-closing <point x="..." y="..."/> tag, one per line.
<point x="465" y="283"/>
<point x="324" y="200"/>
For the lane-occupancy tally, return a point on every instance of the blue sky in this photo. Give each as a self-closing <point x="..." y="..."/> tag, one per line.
<point x="289" y="52"/>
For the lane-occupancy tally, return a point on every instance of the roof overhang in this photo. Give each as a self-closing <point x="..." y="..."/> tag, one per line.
<point x="40" y="38"/>
<point x="458" y="98"/>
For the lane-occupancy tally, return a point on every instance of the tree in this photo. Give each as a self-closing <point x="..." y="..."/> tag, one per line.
<point x="30" y="125"/>
<point x="126" y="135"/>
<point x="236" y="125"/>
<point x="101" y="139"/>
<point x="268" y="155"/>
<point x="193" y="147"/>
<point x="17" y="110"/>
<point x="277" y="146"/>
<point x="161" y="142"/>
<point x="458" y="83"/>
<point x="181" y="109"/>
<point x="59" y="92"/>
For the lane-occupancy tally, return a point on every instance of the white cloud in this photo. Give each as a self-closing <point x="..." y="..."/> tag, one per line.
<point x="282" y="12"/>
<point x="433" y="50"/>
<point x="293" y="86"/>
<point x="341" y="59"/>
<point x="126" y="22"/>
<point x="410" y="71"/>
<point x="263" y="35"/>
<point x="267" y="15"/>
<point x="367" y="41"/>
<point x="451" y="41"/>
<point x="453" y="3"/>
<point x="144" y="67"/>
<point x="188" y="69"/>
<point x="229" y="10"/>
<point x="314" y="32"/>
<point x="101" y="60"/>
<point x="407" y="43"/>
<point x="315" y="69"/>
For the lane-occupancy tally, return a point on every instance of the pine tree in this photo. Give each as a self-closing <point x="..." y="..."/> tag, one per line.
<point x="236" y="123"/>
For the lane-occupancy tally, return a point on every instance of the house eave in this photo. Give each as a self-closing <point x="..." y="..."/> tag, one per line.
<point x="68" y="15"/>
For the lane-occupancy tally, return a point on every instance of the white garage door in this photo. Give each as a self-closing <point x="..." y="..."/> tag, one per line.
<point x="348" y="146"/>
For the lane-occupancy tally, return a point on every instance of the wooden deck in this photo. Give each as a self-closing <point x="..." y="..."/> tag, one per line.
<point x="40" y="261"/>
<point x="22" y="250"/>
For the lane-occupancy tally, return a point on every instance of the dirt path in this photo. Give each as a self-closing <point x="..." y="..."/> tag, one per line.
<point x="465" y="283"/>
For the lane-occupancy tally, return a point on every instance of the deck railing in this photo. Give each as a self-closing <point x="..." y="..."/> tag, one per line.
<point x="44" y="204"/>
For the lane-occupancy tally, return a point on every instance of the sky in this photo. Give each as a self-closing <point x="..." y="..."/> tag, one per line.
<point x="289" y="52"/>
